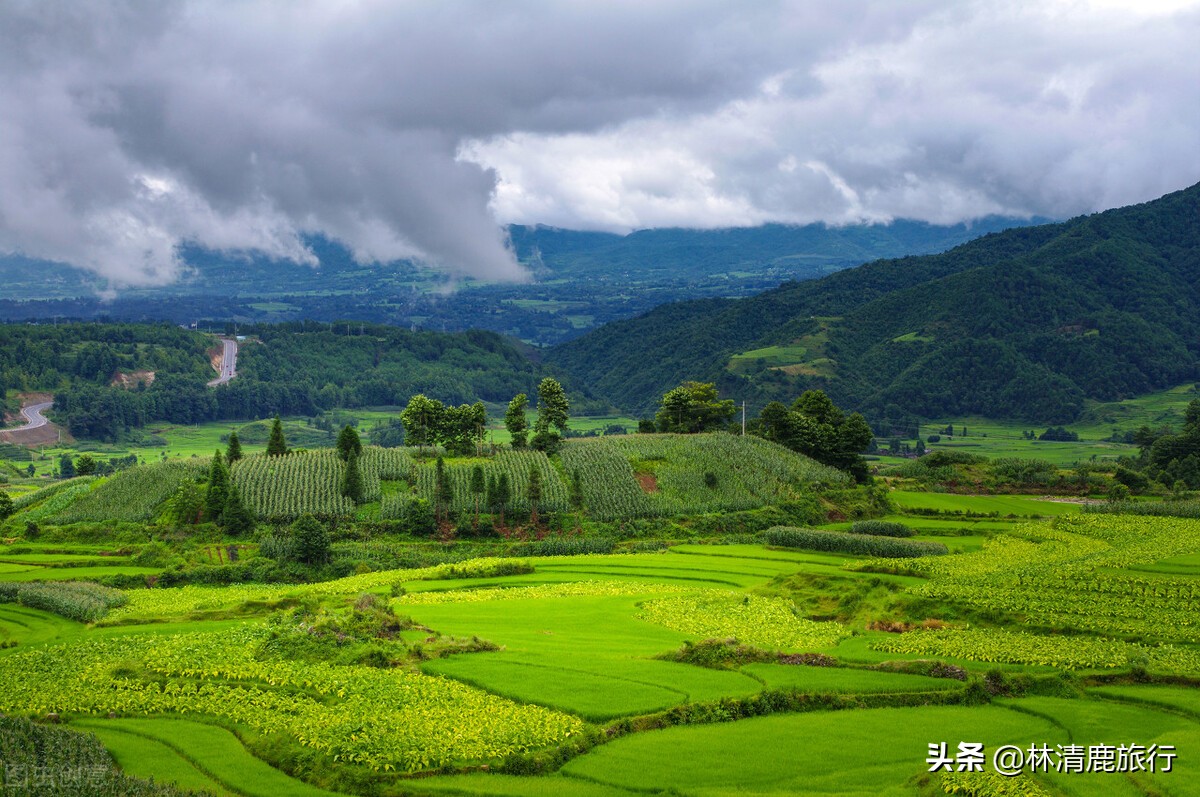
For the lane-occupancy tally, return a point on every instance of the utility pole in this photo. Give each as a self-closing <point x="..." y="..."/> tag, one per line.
<point x="743" y="417"/>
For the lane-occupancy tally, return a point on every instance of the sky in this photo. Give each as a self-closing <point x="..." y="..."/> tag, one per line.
<point x="420" y="129"/>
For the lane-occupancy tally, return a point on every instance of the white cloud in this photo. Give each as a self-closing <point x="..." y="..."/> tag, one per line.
<point x="980" y="108"/>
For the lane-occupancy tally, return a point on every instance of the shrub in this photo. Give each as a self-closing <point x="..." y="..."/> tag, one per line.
<point x="311" y="540"/>
<point x="76" y="600"/>
<point x="881" y="528"/>
<point x="719" y="654"/>
<point x="843" y="542"/>
<point x="564" y="546"/>
<point x="938" y="459"/>
<point x="1024" y="471"/>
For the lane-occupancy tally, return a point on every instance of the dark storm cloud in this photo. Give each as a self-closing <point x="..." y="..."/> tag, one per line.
<point x="404" y="129"/>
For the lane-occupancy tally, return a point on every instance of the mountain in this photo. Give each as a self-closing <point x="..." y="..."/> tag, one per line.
<point x="582" y="279"/>
<point x="1024" y="324"/>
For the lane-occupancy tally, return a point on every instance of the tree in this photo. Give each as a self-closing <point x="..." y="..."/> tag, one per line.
<point x="237" y="518"/>
<point x="576" y="490"/>
<point x="388" y="434"/>
<point x="85" y="465"/>
<point x="478" y="488"/>
<point x="276" y="444"/>
<point x="553" y="407"/>
<point x="311" y="540"/>
<point x="352" y="479"/>
<point x="218" y="488"/>
<point x="6" y="505"/>
<point x="693" y="407"/>
<point x="186" y="507"/>
<point x="553" y="413"/>
<point x="234" y="452"/>
<point x="489" y="496"/>
<point x="66" y="467"/>
<point x="459" y="428"/>
<point x="775" y="423"/>
<point x="817" y="428"/>
<point x="480" y="418"/>
<point x="443" y="494"/>
<point x="515" y="421"/>
<point x="534" y="492"/>
<point x="503" y="495"/>
<point x="348" y="442"/>
<point x="422" y="420"/>
<point x="577" y="498"/>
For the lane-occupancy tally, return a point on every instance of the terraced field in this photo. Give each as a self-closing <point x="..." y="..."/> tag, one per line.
<point x="700" y="669"/>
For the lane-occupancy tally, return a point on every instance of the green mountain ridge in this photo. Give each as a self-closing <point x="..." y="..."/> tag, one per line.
<point x="582" y="279"/>
<point x="1026" y="323"/>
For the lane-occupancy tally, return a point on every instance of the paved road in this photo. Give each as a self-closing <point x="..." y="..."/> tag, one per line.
<point x="228" y="363"/>
<point x="33" y="416"/>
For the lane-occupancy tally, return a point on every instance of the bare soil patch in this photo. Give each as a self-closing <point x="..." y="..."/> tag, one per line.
<point x="41" y="436"/>
<point x="647" y="482"/>
<point x="130" y="380"/>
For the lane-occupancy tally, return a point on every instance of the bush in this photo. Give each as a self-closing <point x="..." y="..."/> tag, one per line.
<point x="564" y="546"/>
<point x="1024" y="471"/>
<point x="1135" y="481"/>
<point x="843" y="542"/>
<point x="938" y="459"/>
<point x="83" y="601"/>
<point x="311" y="540"/>
<point x="278" y="547"/>
<point x="881" y="528"/>
<point x="719" y="654"/>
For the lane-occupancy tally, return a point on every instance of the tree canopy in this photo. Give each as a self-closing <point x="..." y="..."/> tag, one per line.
<point x="552" y="415"/>
<point x="276" y="443"/>
<point x="348" y="442"/>
<point x="515" y="421"/>
<point x="693" y="407"/>
<point x="816" y="427"/>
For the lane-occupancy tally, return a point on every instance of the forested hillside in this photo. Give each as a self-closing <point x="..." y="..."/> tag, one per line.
<point x="1025" y="323"/>
<point x="288" y="369"/>
<point x="51" y="356"/>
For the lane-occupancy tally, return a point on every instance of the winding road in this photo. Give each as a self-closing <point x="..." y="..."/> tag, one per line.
<point x="37" y="430"/>
<point x="33" y="416"/>
<point x="228" y="362"/>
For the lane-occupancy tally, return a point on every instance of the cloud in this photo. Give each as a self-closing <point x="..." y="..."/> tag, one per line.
<point x="973" y="109"/>
<point x="413" y="130"/>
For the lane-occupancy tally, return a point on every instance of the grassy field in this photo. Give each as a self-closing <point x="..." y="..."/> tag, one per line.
<point x="993" y="438"/>
<point x="1005" y="506"/>
<point x="194" y="755"/>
